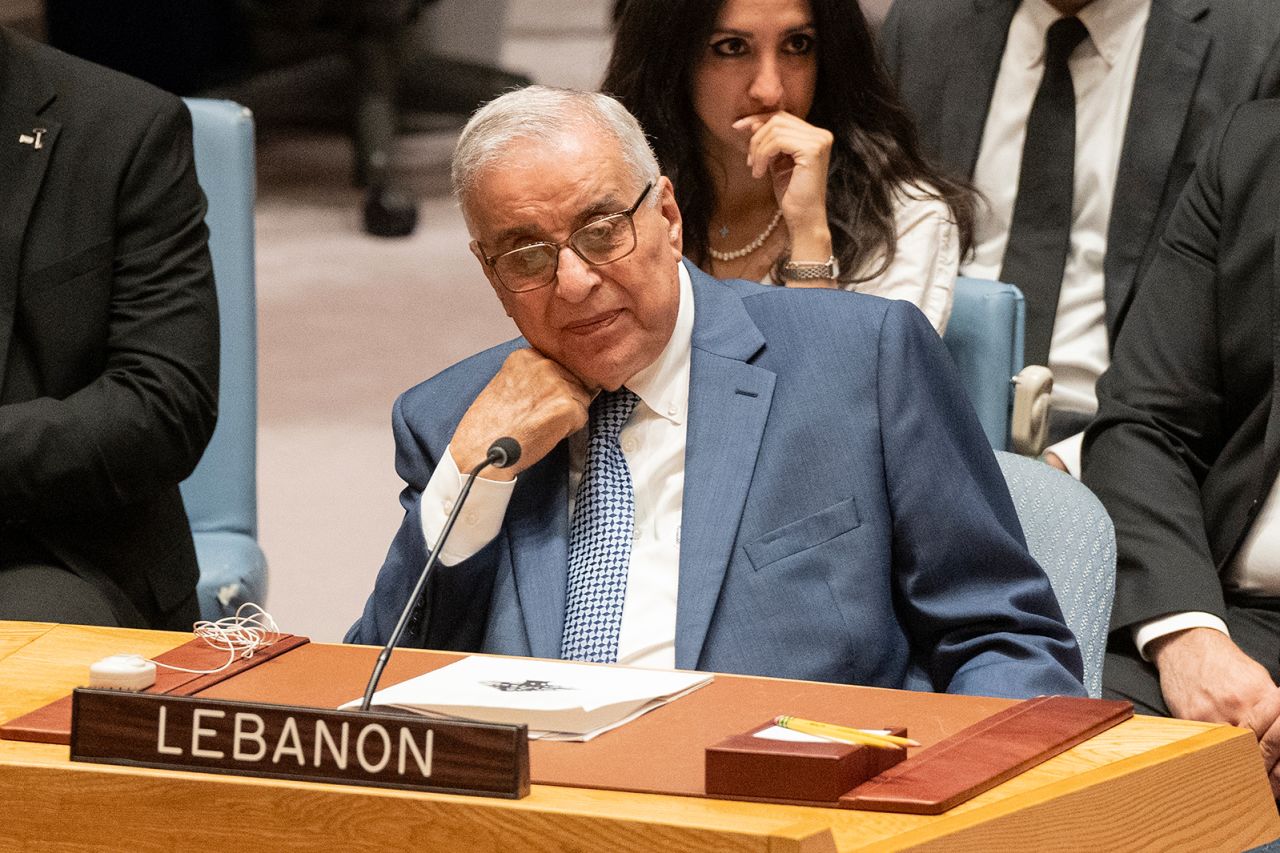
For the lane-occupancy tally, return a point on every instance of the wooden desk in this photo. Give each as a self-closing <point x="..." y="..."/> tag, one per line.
<point x="1147" y="783"/>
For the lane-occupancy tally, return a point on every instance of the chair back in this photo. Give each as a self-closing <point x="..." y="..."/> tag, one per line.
<point x="221" y="495"/>
<point x="1072" y="537"/>
<point x="985" y="338"/>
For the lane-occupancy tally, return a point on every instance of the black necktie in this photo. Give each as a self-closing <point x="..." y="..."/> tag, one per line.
<point x="1040" y="233"/>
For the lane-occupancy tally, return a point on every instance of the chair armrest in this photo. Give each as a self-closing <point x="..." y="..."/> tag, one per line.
<point x="1029" y="425"/>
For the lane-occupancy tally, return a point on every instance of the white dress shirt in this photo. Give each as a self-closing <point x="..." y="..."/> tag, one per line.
<point x="653" y="442"/>
<point x="1255" y="570"/>
<point x="1103" y="69"/>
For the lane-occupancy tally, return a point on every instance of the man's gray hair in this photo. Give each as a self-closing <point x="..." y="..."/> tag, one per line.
<point x="539" y="113"/>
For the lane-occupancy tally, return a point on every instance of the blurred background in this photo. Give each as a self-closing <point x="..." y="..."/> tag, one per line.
<point x="346" y="320"/>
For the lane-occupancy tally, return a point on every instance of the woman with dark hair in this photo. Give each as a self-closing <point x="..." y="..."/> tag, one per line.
<point x="792" y="158"/>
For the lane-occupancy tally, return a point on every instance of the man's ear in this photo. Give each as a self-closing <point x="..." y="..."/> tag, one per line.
<point x="489" y="274"/>
<point x="671" y="212"/>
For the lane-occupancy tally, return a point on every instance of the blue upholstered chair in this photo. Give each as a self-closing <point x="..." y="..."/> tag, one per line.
<point x="985" y="338"/>
<point x="1072" y="537"/>
<point x="221" y="495"/>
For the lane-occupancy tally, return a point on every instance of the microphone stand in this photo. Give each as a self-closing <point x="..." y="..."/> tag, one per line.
<point x="503" y="452"/>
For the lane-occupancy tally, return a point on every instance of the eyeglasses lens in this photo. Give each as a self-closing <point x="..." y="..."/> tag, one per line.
<point x="600" y="242"/>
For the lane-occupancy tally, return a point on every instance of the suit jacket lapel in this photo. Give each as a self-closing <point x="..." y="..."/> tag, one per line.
<point x="538" y="532"/>
<point x="971" y="82"/>
<point x="22" y="99"/>
<point x="729" y="403"/>
<point x="1271" y="446"/>
<point x="1173" y="54"/>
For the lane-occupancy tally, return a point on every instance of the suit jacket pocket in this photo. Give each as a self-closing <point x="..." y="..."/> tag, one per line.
<point x="805" y="533"/>
<point x="67" y="270"/>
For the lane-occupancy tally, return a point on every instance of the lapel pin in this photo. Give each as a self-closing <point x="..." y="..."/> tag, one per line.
<point x="35" y="139"/>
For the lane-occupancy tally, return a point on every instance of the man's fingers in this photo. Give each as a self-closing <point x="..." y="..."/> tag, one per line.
<point x="1264" y="719"/>
<point x="531" y="398"/>
<point x="1205" y="676"/>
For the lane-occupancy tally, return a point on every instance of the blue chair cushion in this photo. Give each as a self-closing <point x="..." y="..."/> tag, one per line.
<point x="221" y="494"/>
<point x="233" y="570"/>
<point x="1070" y="534"/>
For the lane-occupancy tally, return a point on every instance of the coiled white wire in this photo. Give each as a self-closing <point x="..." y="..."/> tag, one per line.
<point x="239" y="636"/>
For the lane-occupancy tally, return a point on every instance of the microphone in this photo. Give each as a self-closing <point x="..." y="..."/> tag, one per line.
<point x="503" y="453"/>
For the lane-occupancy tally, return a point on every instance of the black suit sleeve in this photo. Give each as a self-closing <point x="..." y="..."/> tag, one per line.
<point x="142" y="423"/>
<point x="1160" y="424"/>
<point x="1269" y="80"/>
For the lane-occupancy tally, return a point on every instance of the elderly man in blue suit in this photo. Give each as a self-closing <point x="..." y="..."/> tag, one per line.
<point x="715" y="475"/>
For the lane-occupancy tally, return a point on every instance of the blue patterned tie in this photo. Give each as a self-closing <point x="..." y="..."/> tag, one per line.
<point x="600" y="537"/>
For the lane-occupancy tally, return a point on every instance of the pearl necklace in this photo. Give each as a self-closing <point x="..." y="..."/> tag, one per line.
<point x="753" y="245"/>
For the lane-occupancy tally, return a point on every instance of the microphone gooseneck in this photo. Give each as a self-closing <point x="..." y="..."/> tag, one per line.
<point x="501" y="454"/>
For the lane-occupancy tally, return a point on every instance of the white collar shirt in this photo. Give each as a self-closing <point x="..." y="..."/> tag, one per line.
<point x="1103" y="70"/>
<point x="653" y="443"/>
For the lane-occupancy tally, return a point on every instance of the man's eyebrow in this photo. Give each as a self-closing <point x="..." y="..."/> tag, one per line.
<point x="604" y="207"/>
<point x="517" y="234"/>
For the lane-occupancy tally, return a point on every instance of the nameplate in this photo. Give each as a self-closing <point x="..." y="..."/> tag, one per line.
<point x="288" y="742"/>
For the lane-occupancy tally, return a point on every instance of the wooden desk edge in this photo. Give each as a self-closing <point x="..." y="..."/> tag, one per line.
<point x="97" y="783"/>
<point x="25" y="633"/>
<point x="988" y="827"/>
<point x="946" y="827"/>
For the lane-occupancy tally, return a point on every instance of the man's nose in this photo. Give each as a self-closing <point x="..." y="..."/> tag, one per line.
<point x="575" y="278"/>
<point x="766" y="88"/>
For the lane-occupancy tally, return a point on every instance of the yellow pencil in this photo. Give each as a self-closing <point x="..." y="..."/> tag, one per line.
<point x="843" y="733"/>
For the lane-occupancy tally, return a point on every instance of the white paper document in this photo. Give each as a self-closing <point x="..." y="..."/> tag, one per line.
<point x="557" y="700"/>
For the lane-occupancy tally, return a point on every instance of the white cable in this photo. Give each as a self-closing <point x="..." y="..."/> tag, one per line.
<point x="238" y="635"/>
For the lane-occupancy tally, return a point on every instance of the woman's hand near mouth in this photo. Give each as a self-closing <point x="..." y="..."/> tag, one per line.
<point x="796" y="156"/>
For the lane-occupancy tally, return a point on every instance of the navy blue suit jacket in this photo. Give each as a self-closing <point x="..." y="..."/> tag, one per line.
<point x="844" y="518"/>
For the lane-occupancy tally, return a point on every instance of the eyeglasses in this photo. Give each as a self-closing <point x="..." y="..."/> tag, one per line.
<point x="601" y="241"/>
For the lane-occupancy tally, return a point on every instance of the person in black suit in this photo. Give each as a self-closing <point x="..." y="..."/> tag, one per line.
<point x="108" y="343"/>
<point x="1149" y="78"/>
<point x="1185" y="450"/>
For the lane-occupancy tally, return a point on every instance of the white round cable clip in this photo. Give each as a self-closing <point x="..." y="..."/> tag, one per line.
<point x="122" y="672"/>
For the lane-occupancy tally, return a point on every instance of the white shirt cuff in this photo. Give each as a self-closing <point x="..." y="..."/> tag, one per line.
<point x="1068" y="450"/>
<point x="1170" y="623"/>
<point x="481" y="518"/>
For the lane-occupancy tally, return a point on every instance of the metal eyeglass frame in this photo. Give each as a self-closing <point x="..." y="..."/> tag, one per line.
<point x="492" y="262"/>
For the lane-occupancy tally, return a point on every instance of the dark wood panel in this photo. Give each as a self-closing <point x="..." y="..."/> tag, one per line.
<point x="291" y="742"/>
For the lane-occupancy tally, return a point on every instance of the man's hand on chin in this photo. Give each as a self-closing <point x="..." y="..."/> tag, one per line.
<point x="532" y="399"/>
<point x="1205" y="676"/>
